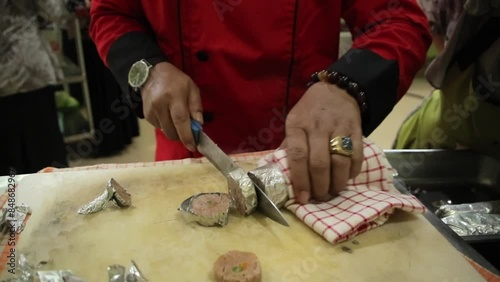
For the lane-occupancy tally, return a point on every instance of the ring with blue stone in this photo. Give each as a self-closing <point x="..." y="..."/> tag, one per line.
<point x="341" y="145"/>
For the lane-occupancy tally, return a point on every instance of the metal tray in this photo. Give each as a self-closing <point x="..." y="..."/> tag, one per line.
<point x="451" y="177"/>
<point x="439" y="177"/>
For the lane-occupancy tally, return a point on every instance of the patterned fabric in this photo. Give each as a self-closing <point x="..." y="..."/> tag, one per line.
<point x="443" y="15"/>
<point x="26" y="60"/>
<point x="368" y="201"/>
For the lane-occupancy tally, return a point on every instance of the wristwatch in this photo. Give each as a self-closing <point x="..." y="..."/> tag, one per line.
<point x="139" y="72"/>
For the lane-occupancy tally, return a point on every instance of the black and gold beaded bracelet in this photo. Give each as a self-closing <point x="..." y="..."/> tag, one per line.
<point x="342" y="82"/>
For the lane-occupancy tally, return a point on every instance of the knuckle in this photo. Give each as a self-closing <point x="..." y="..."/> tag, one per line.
<point x="180" y="117"/>
<point x="297" y="154"/>
<point x="292" y="121"/>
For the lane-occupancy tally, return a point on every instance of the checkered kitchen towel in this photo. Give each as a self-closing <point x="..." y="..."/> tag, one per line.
<point x="368" y="201"/>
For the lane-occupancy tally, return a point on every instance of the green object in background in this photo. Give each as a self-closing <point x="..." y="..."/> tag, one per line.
<point x="71" y="120"/>
<point x="65" y="102"/>
<point x="432" y="52"/>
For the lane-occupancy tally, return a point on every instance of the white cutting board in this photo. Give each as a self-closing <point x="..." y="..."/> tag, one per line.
<point x="166" y="248"/>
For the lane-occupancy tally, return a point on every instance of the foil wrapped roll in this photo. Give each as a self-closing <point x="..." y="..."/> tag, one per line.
<point x="274" y="183"/>
<point x="242" y="191"/>
<point x="98" y="204"/>
<point x="492" y="207"/>
<point x="208" y="209"/>
<point x="113" y="192"/>
<point x="473" y="223"/>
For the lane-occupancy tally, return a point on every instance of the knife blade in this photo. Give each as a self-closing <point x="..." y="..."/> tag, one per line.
<point x="264" y="204"/>
<point x="225" y="165"/>
<point x="211" y="151"/>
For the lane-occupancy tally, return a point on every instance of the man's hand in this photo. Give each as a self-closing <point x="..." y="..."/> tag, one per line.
<point x="324" y="112"/>
<point x="170" y="99"/>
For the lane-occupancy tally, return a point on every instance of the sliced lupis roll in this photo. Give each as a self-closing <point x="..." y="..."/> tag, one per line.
<point x="237" y="266"/>
<point x="207" y="209"/>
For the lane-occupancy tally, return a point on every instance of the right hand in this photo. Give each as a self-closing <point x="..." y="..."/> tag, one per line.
<point x="170" y="99"/>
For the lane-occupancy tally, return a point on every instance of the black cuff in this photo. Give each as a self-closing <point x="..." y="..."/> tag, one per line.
<point x="377" y="77"/>
<point x="123" y="53"/>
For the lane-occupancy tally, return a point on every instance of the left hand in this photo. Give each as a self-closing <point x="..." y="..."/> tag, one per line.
<point x="324" y="112"/>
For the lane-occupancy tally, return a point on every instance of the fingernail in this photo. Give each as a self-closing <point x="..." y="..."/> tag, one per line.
<point x="304" y="197"/>
<point x="198" y="117"/>
<point x="191" y="148"/>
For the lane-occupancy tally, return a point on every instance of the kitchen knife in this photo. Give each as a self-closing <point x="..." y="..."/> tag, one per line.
<point x="225" y="165"/>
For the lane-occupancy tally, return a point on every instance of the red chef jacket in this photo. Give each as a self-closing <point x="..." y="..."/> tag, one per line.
<point x="252" y="59"/>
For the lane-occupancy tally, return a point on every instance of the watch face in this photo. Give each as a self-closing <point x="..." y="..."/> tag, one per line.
<point x="138" y="74"/>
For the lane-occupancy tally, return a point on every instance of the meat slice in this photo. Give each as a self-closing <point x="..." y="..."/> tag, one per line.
<point x="237" y="266"/>
<point x="211" y="209"/>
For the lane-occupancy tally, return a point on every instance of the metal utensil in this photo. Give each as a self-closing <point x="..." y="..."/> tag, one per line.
<point x="265" y="205"/>
<point x="226" y="165"/>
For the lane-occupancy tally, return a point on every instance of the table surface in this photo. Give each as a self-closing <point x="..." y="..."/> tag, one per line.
<point x="152" y="233"/>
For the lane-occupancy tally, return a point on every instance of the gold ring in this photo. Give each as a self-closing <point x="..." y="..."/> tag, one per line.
<point x="341" y="145"/>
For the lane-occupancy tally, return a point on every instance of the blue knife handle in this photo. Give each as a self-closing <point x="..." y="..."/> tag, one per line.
<point x="196" y="129"/>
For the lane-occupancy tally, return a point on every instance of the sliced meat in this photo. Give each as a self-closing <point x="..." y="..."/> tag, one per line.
<point x="237" y="266"/>
<point x="211" y="208"/>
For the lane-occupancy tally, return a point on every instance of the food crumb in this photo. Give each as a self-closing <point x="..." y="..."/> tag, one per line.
<point x="347" y="249"/>
<point x="355" y="242"/>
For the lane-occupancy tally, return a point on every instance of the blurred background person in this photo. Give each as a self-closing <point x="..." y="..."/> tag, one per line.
<point x="31" y="138"/>
<point x="463" y="110"/>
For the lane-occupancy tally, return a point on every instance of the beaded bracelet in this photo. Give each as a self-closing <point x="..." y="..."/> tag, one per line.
<point x="342" y="82"/>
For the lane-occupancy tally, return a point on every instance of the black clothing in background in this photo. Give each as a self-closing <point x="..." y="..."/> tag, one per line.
<point x="31" y="139"/>
<point x="106" y="100"/>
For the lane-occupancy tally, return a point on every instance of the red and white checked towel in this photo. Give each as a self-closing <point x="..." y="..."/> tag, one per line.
<point x="366" y="203"/>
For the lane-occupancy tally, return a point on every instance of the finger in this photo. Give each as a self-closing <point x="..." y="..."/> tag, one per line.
<point x="357" y="157"/>
<point x="341" y="168"/>
<point x="319" y="165"/>
<point x="195" y="104"/>
<point x="282" y="145"/>
<point x="297" y="150"/>
<point x="179" y="113"/>
<point x="166" y="124"/>
<point x="153" y="121"/>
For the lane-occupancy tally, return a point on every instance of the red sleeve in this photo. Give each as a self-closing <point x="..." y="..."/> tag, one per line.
<point x="122" y="36"/>
<point x="390" y="43"/>
<point x="111" y="19"/>
<point x="395" y="30"/>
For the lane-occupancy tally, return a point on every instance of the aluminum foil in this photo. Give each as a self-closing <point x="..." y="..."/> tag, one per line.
<point x="113" y="192"/>
<point x="98" y="204"/>
<point x="473" y="223"/>
<point x="492" y="207"/>
<point x="116" y="273"/>
<point x="13" y="221"/>
<point x="26" y="270"/>
<point x="54" y="275"/>
<point x="191" y="214"/>
<point x="242" y="191"/>
<point x="134" y="274"/>
<point x="273" y="182"/>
